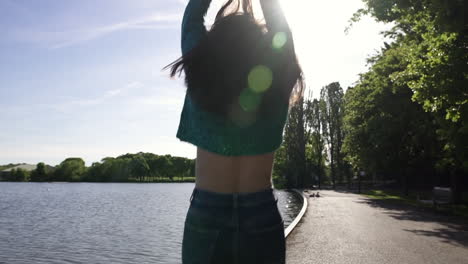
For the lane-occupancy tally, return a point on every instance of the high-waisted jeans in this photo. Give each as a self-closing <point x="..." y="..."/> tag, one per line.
<point x="234" y="228"/>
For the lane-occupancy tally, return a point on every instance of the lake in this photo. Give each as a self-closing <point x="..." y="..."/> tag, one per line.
<point x="100" y="222"/>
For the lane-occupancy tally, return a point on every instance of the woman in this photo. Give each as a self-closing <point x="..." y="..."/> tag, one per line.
<point x="239" y="76"/>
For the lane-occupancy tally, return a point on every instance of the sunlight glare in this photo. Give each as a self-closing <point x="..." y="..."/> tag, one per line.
<point x="325" y="52"/>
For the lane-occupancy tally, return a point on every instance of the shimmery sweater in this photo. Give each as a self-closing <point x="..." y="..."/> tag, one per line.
<point x="243" y="133"/>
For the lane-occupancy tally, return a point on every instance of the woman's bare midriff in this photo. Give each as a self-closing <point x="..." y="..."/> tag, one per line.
<point x="231" y="174"/>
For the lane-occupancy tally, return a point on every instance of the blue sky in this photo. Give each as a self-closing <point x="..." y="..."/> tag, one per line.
<point x="83" y="78"/>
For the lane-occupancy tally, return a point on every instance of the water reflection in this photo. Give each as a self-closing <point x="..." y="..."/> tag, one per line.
<point x="99" y="223"/>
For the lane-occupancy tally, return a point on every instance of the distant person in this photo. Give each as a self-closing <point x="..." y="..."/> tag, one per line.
<point x="241" y="78"/>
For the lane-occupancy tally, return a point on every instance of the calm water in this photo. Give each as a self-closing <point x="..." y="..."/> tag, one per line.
<point x="99" y="223"/>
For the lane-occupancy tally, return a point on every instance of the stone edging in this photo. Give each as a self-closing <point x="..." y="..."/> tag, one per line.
<point x="299" y="216"/>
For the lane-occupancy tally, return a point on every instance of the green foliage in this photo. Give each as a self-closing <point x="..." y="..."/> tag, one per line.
<point x="142" y="167"/>
<point x="386" y="132"/>
<point x="40" y="174"/>
<point x="71" y="169"/>
<point x="18" y="175"/>
<point x="409" y="112"/>
<point x="294" y="143"/>
<point x="316" y="147"/>
<point x="139" y="167"/>
<point x="302" y="159"/>
<point x="280" y="169"/>
<point x="331" y="114"/>
<point x="432" y="35"/>
<point x="392" y="196"/>
<point x="161" y="165"/>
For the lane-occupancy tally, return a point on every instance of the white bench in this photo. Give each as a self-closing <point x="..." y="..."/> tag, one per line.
<point x="441" y="195"/>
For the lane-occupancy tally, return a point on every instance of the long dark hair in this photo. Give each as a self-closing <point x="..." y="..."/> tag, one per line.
<point x="235" y="64"/>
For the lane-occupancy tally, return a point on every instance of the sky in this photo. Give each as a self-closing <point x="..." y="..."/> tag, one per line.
<point x="84" y="78"/>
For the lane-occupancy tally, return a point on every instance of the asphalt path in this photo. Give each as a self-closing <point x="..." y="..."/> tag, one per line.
<point x="343" y="227"/>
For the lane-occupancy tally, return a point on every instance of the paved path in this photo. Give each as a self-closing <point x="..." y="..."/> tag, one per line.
<point x="348" y="228"/>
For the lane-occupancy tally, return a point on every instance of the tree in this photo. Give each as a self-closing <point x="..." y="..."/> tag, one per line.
<point x="39" y="174"/>
<point x="386" y="132"/>
<point x="180" y="166"/>
<point x="160" y="165"/>
<point x="93" y="173"/>
<point x="280" y="168"/>
<point x="295" y="140"/>
<point x="317" y="139"/>
<point x="71" y="169"/>
<point x="139" y="167"/>
<point x="332" y="114"/>
<point x="18" y="174"/>
<point x="432" y="34"/>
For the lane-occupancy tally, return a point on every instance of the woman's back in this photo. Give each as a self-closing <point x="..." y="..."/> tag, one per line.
<point x="233" y="174"/>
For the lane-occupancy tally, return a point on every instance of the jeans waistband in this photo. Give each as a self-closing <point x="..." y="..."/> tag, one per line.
<point x="240" y="199"/>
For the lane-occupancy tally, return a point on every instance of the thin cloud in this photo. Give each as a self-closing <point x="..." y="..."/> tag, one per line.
<point x="115" y="92"/>
<point x="133" y="100"/>
<point x="157" y="100"/>
<point x="129" y="86"/>
<point x="134" y="84"/>
<point x="66" y="38"/>
<point x="155" y="21"/>
<point x="75" y="103"/>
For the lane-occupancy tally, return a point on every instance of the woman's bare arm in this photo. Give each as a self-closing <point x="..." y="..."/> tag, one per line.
<point x="274" y="16"/>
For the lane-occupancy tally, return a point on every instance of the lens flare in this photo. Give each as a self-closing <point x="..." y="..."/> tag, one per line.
<point x="249" y="101"/>
<point x="240" y="117"/>
<point x="260" y="79"/>
<point x="279" y="40"/>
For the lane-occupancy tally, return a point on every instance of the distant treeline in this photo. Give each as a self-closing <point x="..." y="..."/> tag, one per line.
<point x="139" y="167"/>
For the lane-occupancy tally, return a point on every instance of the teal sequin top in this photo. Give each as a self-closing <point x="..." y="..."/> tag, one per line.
<point x="241" y="134"/>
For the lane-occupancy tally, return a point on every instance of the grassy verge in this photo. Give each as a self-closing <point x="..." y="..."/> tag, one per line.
<point x="174" y="179"/>
<point x="412" y="199"/>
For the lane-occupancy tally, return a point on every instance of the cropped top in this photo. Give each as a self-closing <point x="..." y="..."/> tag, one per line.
<point x="243" y="133"/>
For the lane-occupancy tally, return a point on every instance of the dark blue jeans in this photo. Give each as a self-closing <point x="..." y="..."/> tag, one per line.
<point x="237" y="228"/>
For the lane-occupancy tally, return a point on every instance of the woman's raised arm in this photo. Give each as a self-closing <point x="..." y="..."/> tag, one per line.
<point x="274" y="16"/>
<point x="193" y="27"/>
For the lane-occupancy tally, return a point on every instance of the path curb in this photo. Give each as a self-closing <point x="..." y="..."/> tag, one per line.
<point x="299" y="216"/>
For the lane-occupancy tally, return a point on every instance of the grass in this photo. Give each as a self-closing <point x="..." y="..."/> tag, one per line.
<point x="156" y="180"/>
<point x="412" y="199"/>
